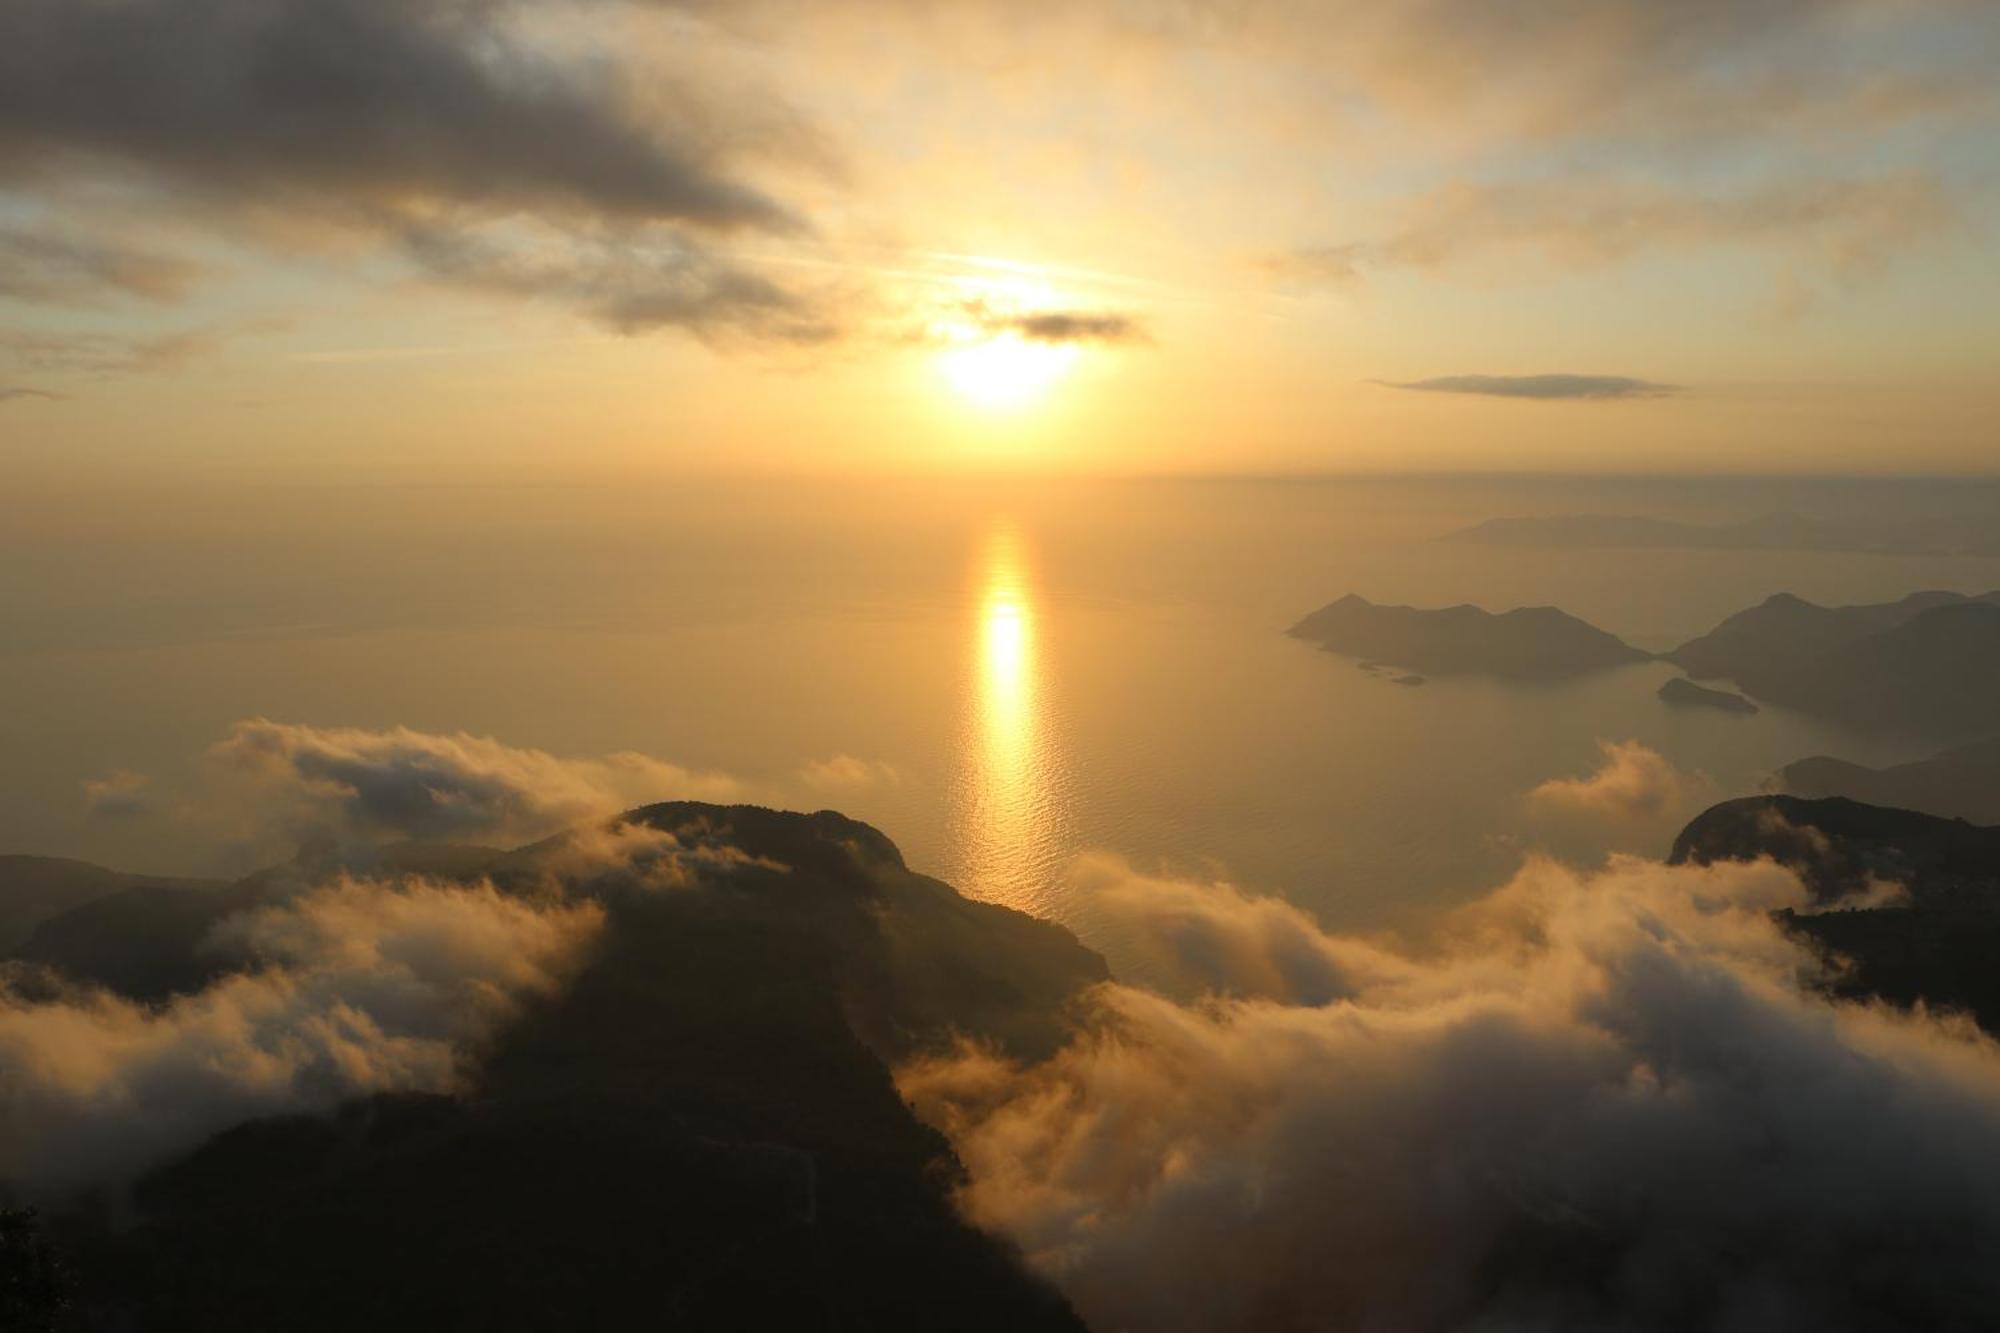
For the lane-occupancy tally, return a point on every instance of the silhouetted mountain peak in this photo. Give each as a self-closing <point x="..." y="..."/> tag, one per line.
<point x="699" y="1129"/>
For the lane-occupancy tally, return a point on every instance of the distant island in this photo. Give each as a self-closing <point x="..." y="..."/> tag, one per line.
<point x="1927" y="662"/>
<point x="1936" y="943"/>
<point x="1960" y="783"/>
<point x="1529" y="643"/>
<point x="1684" y="693"/>
<point x="1961" y="534"/>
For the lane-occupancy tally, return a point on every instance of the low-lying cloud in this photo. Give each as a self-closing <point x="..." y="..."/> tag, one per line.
<point x="603" y="860"/>
<point x="1634" y="782"/>
<point x="1607" y="1100"/>
<point x="1188" y="939"/>
<point x="366" y="784"/>
<point x="1546" y="388"/>
<point x="351" y="988"/>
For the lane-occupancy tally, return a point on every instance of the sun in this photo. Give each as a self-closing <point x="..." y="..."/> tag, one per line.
<point x="1004" y="371"/>
<point x="983" y="353"/>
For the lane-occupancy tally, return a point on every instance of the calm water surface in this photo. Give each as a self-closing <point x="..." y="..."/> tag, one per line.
<point x="1026" y="672"/>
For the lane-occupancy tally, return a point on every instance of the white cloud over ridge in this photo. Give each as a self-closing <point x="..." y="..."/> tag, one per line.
<point x="357" y="782"/>
<point x="352" y="987"/>
<point x="1600" y="1100"/>
<point x="1635" y="782"/>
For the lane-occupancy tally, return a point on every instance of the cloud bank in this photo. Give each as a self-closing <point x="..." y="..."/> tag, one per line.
<point x="1187" y="939"/>
<point x="1598" y="1101"/>
<point x="353" y="987"/>
<point x="355" y="783"/>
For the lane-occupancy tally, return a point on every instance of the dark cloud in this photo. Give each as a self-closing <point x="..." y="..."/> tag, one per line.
<point x="408" y="120"/>
<point x="1068" y="326"/>
<point x="1056" y="326"/>
<point x="1595" y="388"/>
<point x="379" y="100"/>
<point x="633" y="282"/>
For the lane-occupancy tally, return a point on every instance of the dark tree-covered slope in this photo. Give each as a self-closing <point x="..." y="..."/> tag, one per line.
<point x="1939" y="945"/>
<point x="700" y="1132"/>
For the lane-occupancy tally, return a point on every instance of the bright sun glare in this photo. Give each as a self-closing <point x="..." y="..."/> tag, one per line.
<point x="1006" y="371"/>
<point x="997" y="368"/>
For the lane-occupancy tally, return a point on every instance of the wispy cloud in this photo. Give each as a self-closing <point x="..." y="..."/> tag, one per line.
<point x="1545" y="388"/>
<point x="1838" y="228"/>
<point x="104" y="354"/>
<point x="52" y="264"/>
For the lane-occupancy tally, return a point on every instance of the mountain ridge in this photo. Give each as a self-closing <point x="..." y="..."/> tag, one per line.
<point x="700" y="1130"/>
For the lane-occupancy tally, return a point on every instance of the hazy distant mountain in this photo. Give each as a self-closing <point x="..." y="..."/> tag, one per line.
<point x="1961" y="783"/>
<point x="35" y="888"/>
<point x="1928" y="661"/>
<point x="1938" y="945"/>
<point x="1966" y="534"/>
<point x="1537" y="642"/>
<point x="1684" y="693"/>
<point x="143" y="937"/>
<point x="700" y="1131"/>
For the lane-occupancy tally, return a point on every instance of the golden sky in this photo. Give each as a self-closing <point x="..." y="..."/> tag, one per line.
<point x="420" y="239"/>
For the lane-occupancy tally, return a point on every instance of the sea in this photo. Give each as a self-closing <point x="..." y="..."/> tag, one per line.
<point x="1003" y="675"/>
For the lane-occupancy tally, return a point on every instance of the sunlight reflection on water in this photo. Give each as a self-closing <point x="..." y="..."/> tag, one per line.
<point x="1009" y="806"/>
